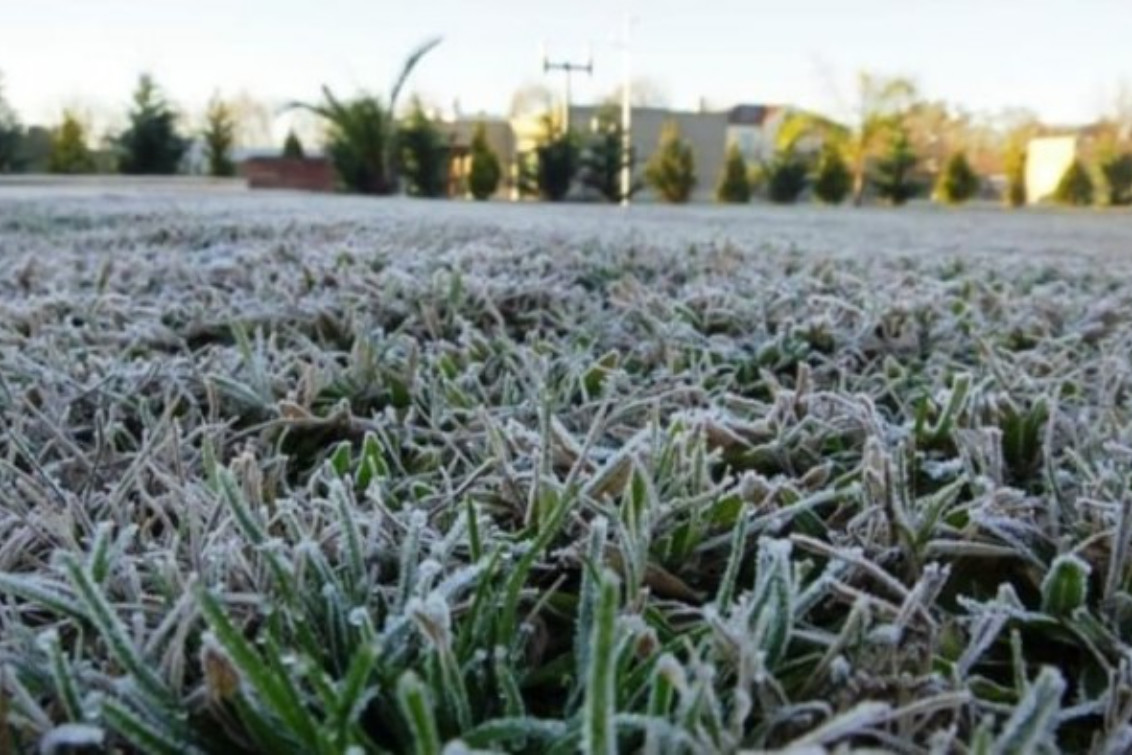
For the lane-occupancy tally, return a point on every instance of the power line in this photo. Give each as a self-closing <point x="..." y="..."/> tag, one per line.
<point x="569" y="68"/>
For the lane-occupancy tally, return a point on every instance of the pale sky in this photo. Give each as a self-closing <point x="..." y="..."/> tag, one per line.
<point x="1063" y="58"/>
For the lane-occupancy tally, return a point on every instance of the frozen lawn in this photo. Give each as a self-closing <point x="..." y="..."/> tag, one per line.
<point x="298" y="474"/>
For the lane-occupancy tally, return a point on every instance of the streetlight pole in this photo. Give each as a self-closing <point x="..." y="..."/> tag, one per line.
<point x="626" y="117"/>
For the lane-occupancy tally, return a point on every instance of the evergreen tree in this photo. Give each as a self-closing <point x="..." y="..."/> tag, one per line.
<point x="605" y="156"/>
<point x="671" y="171"/>
<point x="11" y="134"/>
<point x="69" y="151"/>
<point x="1076" y="186"/>
<point x="219" y="138"/>
<point x="293" y="147"/>
<point x="734" y="184"/>
<point x="1117" y="170"/>
<point x="832" y="179"/>
<point x="424" y="155"/>
<point x="485" y="172"/>
<point x="1015" y="165"/>
<point x="958" y="182"/>
<point x="893" y="177"/>
<point x="785" y="177"/>
<point x="555" y="163"/>
<point x="882" y="104"/>
<point x="151" y="144"/>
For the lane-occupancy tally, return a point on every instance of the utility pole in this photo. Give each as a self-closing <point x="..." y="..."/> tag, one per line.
<point x="567" y="67"/>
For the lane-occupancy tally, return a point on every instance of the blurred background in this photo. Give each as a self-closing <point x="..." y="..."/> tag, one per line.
<point x="875" y="101"/>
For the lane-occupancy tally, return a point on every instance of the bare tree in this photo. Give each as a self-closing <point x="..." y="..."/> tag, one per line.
<point x="643" y="92"/>
<point x="254" y="119"/>
<point x="1121" y="112"/>
<point x="531" y="100"/>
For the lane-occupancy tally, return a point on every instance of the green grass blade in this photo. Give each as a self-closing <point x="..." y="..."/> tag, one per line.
<point x="114" y="632"/>
<point x="416" y="707"/>
<point x="599" y="707"/>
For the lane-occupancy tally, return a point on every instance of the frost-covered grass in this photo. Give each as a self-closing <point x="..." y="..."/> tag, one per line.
<point x="315" y="475"/>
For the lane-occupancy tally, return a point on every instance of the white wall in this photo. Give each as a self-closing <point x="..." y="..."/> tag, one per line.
<point x="705" y="132"/>
<point x="1047" y="159"/>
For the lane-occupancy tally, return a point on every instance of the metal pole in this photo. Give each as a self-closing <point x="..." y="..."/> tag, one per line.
<point x="569" y="95"/>
<point x="626" y="120"/>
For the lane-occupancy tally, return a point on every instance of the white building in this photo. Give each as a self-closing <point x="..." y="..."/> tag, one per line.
<point x="754" y="129"/>
<point x="1047" y="159"/>
<point x="706" y="132"/>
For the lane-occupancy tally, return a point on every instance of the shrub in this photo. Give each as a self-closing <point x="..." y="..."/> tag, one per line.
<point x="734" y="183"/>
<point x="219" y="138"/>
<point x="69" y="152"/>
<point x="423" y="155"/>
<point x="893" y="174"/>
<point x="151" y="144"/>
<point x="549" y="172"/>
<point x="1117" y="171"/>
<point x="293" y="147"/>
<point x="786" y="177"/>
<point x="485" y="172"/>
<point x="832" y="179"/>
<point x="958" y="182"/>
<point x="1076" y="186"/>
<point x="671" y="171"/>
<point x="605" y="157"/>
<point x="362" y="136"/>
<point x="360" y="144"/>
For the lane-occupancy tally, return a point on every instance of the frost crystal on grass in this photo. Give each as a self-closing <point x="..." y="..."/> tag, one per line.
<point x="69" y="737"/>
<point x="317" y="474"/>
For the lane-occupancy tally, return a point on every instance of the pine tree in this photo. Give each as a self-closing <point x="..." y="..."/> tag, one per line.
<point x="1015" y="166"/>
<point x="785" y="177"/>
<point x="832" y="179"/>
<point x="605" y="157"/>
<point x="958" y="182"/>
<point x="151" y="144"/>
<point x="1076" y="186"/>
<point x="671" y="171"/>
<point x="1117" y="170"/>
<point x="893" y="178"/>
<point x="219" y="138"/>
<point x="549" y="173"/>
<point x="423" y="155"/>
<point x="69" y="152"/>
<point x="11" y="134"/>
<point x="293" y="147"/>
<point x="485" y="172"/>
<point x="734" y="183"/>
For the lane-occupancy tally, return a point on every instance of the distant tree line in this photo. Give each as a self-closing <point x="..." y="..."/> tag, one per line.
<point x="902" y="147"/>
<point x="898" y="147"/>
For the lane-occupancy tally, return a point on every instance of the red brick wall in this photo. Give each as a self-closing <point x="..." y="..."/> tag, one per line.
<point x="305" y="174"/>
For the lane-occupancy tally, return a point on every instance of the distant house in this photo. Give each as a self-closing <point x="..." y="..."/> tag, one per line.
<point x="754" y="129"/>
<point x="195" y="160"/>
<point x="1049" y="155"/>
<point x="706" y="132"/>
